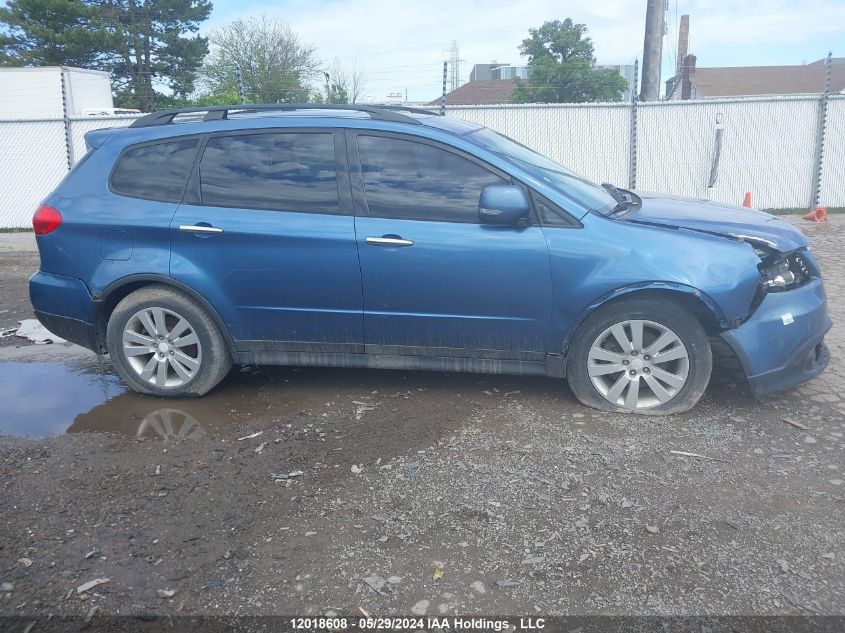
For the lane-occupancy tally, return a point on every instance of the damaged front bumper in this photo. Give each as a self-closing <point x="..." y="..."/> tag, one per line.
<point x="782" y="344"/>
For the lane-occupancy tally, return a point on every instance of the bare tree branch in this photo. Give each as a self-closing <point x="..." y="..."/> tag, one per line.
<point x="275" y="64"/>
<point x="349" y="76"/>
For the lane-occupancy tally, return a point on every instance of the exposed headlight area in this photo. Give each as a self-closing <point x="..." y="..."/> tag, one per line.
<point x="779" y="272"/>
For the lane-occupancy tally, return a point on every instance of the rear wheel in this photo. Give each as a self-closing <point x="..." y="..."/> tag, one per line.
<point x="163" y="343"/>
<point x="641" y="356"/>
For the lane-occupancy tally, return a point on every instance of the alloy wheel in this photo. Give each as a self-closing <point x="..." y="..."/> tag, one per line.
<point x="637" y="364"/>
<point x="162" y="347"/>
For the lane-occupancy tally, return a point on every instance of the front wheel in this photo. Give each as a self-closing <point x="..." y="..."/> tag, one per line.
<point x="640" y="356"/>
<point x="164" y="344"/>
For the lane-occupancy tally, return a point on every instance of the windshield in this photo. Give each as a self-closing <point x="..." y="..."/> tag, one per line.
<point x="570" y="184"/>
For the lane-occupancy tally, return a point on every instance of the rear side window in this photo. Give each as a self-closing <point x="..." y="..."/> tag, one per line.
<point x="156" y="171"/>
<point x="414" y="181"/>
<point x="275" y="171"/>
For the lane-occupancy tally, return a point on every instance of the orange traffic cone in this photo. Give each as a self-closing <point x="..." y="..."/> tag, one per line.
<point x="819" y="215"/>
<point x="746" y="202"/>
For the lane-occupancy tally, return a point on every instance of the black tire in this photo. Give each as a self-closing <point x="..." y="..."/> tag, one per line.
<point x="211" y="353"/>
<point x="663" y="313"/>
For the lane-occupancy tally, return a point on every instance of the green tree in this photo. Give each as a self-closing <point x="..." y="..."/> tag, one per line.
<point x="338" y="94"/>
<point x="150" y="45"/>
<point x="169" y="102"/>
<point x="275" y="65"/>
<point x="144" y="44"/>
<point x="562" y="67"/>
<point x="50" y="33"/>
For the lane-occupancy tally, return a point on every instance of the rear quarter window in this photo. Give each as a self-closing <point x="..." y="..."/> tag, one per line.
<point x="155" y="171"/>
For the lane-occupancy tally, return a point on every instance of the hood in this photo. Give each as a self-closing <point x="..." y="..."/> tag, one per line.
<point x="749" y="225"/>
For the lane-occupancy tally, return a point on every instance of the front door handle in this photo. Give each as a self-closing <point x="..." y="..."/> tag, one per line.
<point x="388" y="241"/>
<point x="199" y="228"/>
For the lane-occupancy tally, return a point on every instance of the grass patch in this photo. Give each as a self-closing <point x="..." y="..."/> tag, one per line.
<point x="15" y="230"/>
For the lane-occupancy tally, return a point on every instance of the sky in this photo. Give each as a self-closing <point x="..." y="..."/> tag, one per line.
<point x="402" y="43"/>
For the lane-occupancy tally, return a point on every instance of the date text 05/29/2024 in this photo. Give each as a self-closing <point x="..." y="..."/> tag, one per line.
<point x="454" y="623"/>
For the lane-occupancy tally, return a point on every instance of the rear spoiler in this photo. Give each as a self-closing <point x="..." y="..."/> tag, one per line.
<point x="95" y="138"/>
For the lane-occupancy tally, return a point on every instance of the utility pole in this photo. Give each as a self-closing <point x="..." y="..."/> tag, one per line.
<point x="652" y="50"/>
<point x="240" y="79"/>
<point x="328" y="91"/>
<point x="632" y="141"/>
<point x="443" y="98"/>
<point x="820" y="133"/>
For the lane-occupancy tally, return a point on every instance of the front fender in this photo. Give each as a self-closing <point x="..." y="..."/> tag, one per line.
<point x="608" y="259"/>
<point x="667" y="289"/>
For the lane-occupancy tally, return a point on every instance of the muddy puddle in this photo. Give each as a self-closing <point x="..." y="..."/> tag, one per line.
<point x="49" y="390"/>
<point x="69" y="391"/>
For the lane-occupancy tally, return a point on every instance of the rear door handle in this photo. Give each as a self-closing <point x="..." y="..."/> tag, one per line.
<point x="199" y="228"/>
<point x="388" y="241"/>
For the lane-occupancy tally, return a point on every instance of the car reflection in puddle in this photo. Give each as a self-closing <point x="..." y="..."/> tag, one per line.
<point x="152" y="418"/>
<point x="170" y="424"/>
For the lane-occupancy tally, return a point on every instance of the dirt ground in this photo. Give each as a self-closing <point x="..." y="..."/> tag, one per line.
<point x="313" y="491"/>
<point x="18" y="260"/>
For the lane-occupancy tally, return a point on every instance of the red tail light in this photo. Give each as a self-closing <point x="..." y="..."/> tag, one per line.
<point x="46" y="220"/>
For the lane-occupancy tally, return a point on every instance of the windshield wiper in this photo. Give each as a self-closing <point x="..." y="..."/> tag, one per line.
<point x="620" y="207"/>
<point x="621" y="202"/>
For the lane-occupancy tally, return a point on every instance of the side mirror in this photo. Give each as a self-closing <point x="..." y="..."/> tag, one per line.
<point x="503" y="204"/>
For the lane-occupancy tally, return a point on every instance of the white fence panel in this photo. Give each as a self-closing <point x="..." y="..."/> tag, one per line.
<point x="767" y="149"/>
<point x="590" y="139"/>
<point x="833" y="164"/>
<point x="33" y="160"/>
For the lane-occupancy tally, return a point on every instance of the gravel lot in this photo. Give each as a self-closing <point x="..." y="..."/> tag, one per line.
<point x="315" y="490"/>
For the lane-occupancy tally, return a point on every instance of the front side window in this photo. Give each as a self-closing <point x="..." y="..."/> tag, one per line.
<point x="587" y="193"/>
<point x="552" y="215"/>
<point x="275" y="171"/>
<point x="412" y="181"/>
<point x="156" y="171"/>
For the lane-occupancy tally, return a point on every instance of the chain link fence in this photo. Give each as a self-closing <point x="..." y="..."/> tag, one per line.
<point x="33" y="159"/>
<point x="833" y="154"/>
<point x="714" y="149"/>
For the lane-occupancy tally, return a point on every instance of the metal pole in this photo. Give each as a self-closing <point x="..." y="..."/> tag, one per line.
<point x="652" y="50"/>
<point x="240" y="79"/>
<point x="66" y="120"/>
<point x="820" y="132"/>
<point x="328" y="91"/>
<point x="632" y="144"/>
<point x="443" y="98"/>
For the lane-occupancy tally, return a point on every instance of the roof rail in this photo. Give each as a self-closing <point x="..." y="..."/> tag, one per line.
<point x="217" y="113"/>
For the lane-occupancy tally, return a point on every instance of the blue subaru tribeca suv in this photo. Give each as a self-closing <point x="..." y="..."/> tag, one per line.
<point x="360" y="236"/>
